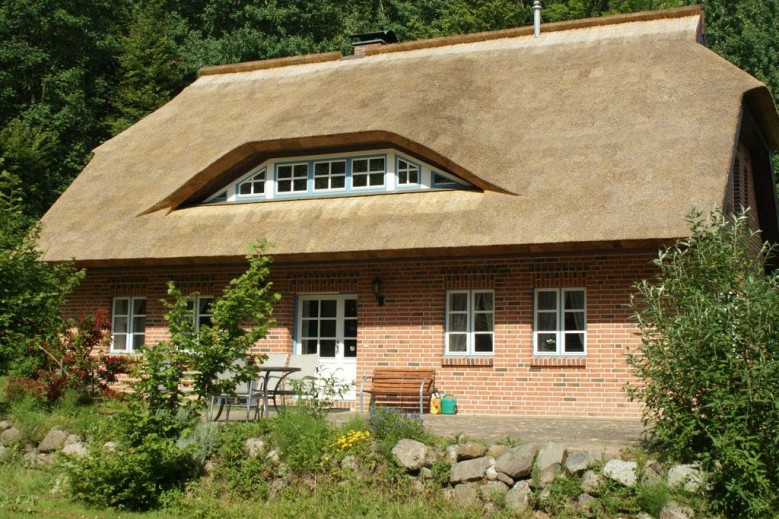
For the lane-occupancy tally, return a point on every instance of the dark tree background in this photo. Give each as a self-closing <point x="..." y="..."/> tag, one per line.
<point x="75" y="72"/>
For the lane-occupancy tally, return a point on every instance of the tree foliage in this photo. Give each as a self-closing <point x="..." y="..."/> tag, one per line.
<point x="708" y="363"/>
<point x="31" y="291"/>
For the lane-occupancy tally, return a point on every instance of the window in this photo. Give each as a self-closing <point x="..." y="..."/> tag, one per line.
<point x="128" y="324"/>
<point x="441" y="181"/>
<point x="292" y="178"/>
<point x="329" y="175"/>
<point x="204" y="312"/>
<point x="328" y="326"/>
<point x="408" y="173"/>
<point x="368" y="172"/>
<point x="254" y="185"/>
<point x="470" y="318"/>
<point x="560" y="326"/>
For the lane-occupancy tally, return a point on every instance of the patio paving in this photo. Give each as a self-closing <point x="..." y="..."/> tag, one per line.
<point x="577" y="433"/>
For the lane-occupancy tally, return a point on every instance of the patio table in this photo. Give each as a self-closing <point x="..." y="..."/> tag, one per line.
<point x="268" y="370"/>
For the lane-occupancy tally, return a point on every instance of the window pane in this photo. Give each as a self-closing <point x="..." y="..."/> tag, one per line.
<point x="457" y="343"/>
<point x="546" y="342"/>
<point x="338" y="168"/>
<point x="350" y="328"/>
<point x="205" y="320"/>
<point x="138" y="341"/>
<point x="309" y="346"/>
<point x="120" y="324"/>
<point x="301" y="170"/>
<point x="311" y="328"/>
<point x="458" y="302"/>
<point x="321" y="169"/>
<point x="402" y="177"/>
<point x="574" y="321"/>
<point x="350" y="308"/>
<point x="120" y="342"/>
<point x="327" y="348"/>
<point x="547" y="300"/>
<point x="359" y="166"/>
<point x="311" y="308"/>
<point x="547" y="322"/>
<point x="284" y="186"/>
<point x="139" y="324"/>
<point x="327" y="328"/>
<point x="300" y="184"/>
<point x="574" y="343"/>
<point x="139" y="306"/>
<point x="204" y="305"/>
<point x="482" y="322"/>
<point x="338" y="182"/>
<point x="320" y="183"/>
<point x="359" y="180"/>
<point x="245" y="189"/>
<point x="482" y="301"/>
<point x="377" y="179"/>
<point x="350" y="348"/>
<point x="413" y="176"/>
<point x="284" y="172"/>
<point x="121" y="306"/>
<point x="483" y="343"/>
<point x="458" y="323"/>
<point x="329" y="308"/>
<point x="377" y="165"/>
<point x="574" y="300"/>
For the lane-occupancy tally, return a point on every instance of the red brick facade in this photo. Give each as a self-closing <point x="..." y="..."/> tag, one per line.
<point x="409" y="329"/>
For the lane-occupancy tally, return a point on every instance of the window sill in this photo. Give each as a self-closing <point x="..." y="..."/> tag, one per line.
<point x="558" y="362"/>
<point x="476" y="362"/>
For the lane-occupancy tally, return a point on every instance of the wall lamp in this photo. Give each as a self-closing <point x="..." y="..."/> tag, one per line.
<point x="376" y="284"/>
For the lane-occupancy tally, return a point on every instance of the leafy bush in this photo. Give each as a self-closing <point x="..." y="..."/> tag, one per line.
<point x="303" y="438"/>
<point x="389" y="425"/>
<point x="709" y="361"/>
<point x="131" y="478"/>
<point x="244" y="476"/>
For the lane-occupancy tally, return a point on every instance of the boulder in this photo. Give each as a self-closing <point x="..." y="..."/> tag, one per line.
<point x="350" y="463"/>
<point x="518" y="498"/>
<point x="78" y="450"/>
<point x="410" y="454"/>
<point x="548" y="463"/>
<point x="469" y="451"/>
<point x="470" y="470"/>
<point x="504" y="478"/>
<point x="577" y="462"/>
<point x="517" y="462"/>
<point x="496" y="450"/>
<point x="584" y="504"/>
<point x="687" y="477"/>
<point x="10" y="436"/>
<point x="4" y="424"/>
<point x="623" y="472"/>
<point x="109" y="446"/>
<point x="54" y="440"/>
<point x="254" y="446"/>
<point x="493" y="491"/>
<point x="491" y="474"/>
<point x="465" y="495"/>
<point x="654" y="473"/>
<point x="674" y="510"/>
<point x="72" y="438"/>
<point x="591" y="482"/>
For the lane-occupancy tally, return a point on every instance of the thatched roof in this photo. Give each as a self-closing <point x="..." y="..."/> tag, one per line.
<point x="601" y="133"/>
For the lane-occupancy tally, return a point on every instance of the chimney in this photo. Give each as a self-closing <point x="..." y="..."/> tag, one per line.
<point x="369" y="40"/>
<point x="536" y="18"/>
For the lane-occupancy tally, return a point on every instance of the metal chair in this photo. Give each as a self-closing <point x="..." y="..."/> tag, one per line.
<point x="247" y="393"/>
<point x="297" y="383"/>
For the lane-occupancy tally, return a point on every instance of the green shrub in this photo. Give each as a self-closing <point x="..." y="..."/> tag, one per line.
<point x="651" y="498"/>
<point x="303" y="439"/>
<point x="709" y="361"/>
<point x="131" y="478"/>
<point x="389" y="425"/>
<point x="243" y="476"/>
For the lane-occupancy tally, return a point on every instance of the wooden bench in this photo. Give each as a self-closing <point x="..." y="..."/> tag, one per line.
<point x="403" y="388"/>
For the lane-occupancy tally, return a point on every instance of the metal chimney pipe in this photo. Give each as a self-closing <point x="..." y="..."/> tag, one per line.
<point x="536" y="18"/>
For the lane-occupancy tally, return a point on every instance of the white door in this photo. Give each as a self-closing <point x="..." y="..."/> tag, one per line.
<point x="327" y="326"/>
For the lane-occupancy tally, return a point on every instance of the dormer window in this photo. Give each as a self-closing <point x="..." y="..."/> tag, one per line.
<point x="335" y="174"/>
<point x="408" y="173"/>
<point x="253" y="185"/>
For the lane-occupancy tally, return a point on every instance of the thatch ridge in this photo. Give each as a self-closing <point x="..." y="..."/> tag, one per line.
<point x="270" y="63"/>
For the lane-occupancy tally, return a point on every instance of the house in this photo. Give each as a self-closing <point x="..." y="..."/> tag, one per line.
<point x="478" y="204"/>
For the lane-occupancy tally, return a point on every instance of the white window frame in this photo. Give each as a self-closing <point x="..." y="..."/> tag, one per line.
<point x="293" y="177"/>
<point x="560" y="313"/>
<point x="410" y="167"/>
<point x="131" y="334"/>
<point x="368" y="172"/>
<point x="197" y="314"/>
<point x="330" y="175"/>
<point x="470" y="333"/>
<point x="257" y="184"/>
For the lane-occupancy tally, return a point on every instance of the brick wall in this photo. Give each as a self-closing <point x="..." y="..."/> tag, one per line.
<point x="409" y="329"/>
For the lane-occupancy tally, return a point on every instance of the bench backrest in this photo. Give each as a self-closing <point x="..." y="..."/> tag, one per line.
<point x="402" y="380"/>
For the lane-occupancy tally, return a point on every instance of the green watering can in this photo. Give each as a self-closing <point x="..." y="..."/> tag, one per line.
<point x="448" y="404"/>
